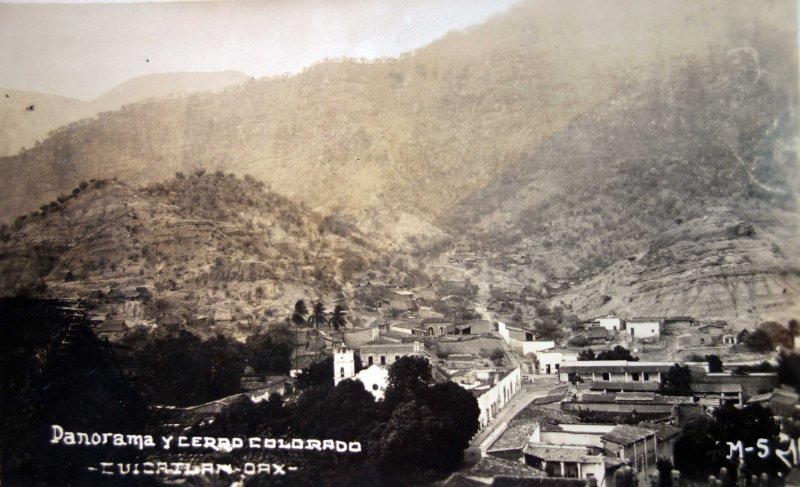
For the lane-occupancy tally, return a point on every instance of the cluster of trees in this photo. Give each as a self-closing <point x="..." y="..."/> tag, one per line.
<point x="417" y="432"/>
<point x="677" y="381"/>
<point x="770" y="335"/>
<point x="55" y="205"/>
<point x="319" y="316"/>
<point x="54" y="370"/>
<point x="617" y="353"/>
<point x="183" y="369"/>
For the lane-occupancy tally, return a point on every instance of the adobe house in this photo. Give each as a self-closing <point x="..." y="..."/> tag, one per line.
<point x="571" y="451"/>
<point x="386" y="354"/>
<point x="632" y="444"/>
<point x="644" y="328"/>
<point x="598" y="334"/>
<point x="611" y="323"/>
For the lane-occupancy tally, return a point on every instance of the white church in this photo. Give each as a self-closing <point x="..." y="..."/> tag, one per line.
<point x="373" y="377"/>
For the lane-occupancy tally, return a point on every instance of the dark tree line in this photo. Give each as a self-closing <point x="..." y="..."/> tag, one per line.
<point x="617" y="353"/>
<point x="54" y="370"/>
<point x="418" y="432"/>
<point x="184" y="370"/>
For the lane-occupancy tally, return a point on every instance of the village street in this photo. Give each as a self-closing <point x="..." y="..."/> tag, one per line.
<point x="520" y="401"/>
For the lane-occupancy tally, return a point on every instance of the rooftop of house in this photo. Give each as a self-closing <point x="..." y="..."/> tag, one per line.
<point x="663" y="431"/>
<point x="578" y="428"/>
<point x="624" y="434"/>
<point x="543" y="415"/>
<point x="491" y="466"/>
<point x="614" y="366"/>
<point x="626" y="386"/>
<point x="508" y="481"/>
<point x="516" y="436"/>
<point x="461" y="480"/>
<point x="598" y="332"/>
<point x="553" y="453"/>
<point x="617" y="397"/>
<point x="377" y="346"/>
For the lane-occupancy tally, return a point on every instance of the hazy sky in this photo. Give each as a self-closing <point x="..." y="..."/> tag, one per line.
<point x="83" y="50"/>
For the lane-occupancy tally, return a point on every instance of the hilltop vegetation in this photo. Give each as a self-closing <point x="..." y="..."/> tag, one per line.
<point x="400" y="137"/>
<point x="583" y="153"/>
<point x="199" y="242"/>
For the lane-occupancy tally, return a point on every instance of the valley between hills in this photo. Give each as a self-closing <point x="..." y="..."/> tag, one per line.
<point x="628" y="171"/>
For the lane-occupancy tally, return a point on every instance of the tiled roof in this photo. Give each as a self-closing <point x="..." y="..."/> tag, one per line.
<point x="491" y="466"/>
<point x="516" y="436"/>
<point x="663" y="431"/>
<point x="598" y="332"/>
<point x="650" y="386"/>
<point x="550" y="453"/>
<point x="625" y="435"/>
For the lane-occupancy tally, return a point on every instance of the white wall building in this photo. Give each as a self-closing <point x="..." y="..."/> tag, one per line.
<point x="375" y="379"/>
<point x="550" y="362"/>
<point x="611" y="323"/>
<point x="537" y="346"/>
<point x="644" y="328"/>
<point x="495" y="398"/>
<point x="344" y="365"/>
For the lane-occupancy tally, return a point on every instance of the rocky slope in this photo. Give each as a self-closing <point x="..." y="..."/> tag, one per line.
<point x="715" y="267"/>
<point x="537" y="137"/>
<point x="199" y="243"/>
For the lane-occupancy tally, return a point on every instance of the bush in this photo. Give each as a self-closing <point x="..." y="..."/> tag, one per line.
<point x="579" y="341"/>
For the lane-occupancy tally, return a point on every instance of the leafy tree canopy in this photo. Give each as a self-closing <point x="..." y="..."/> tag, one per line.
<point x="677" y="381"/>
<point x="714" y="363"/>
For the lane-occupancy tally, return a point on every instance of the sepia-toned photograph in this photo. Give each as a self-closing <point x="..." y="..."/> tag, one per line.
<point x="448" y="243"/>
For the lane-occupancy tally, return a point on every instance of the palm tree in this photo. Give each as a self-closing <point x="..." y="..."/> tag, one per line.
<point x="300" y="312"/>
<point x="338" y="320"/>
<point x="317" y="317"/>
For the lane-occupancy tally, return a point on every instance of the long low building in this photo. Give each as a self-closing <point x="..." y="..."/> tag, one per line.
<point x="615" y="370"/>
<point x="632" y="405"/>
<point x="714" y="389"/>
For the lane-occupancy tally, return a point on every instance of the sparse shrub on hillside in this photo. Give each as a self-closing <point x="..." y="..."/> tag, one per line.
<point x="579" y="341"/>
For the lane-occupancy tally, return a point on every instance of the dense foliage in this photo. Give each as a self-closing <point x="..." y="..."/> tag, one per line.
<point x="54" y="370"/>
<point x="677" y="381"/>
<point x="617" y="353"/>
<point x="418" y="433"/>
<point x="184" y="370"/>
<point x="702" y="447"/>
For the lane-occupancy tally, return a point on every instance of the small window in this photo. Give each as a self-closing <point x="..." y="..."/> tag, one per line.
<point x="605" y="375"/>
<point x="646" y="376"/>
<point x="635" y="376"/>
<point x="383" y="359"/>
<point x="341" y="372"/>
<point x="374" y="387"/>
<point x="396" y="358"/>
<point x="369" y="360"/>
